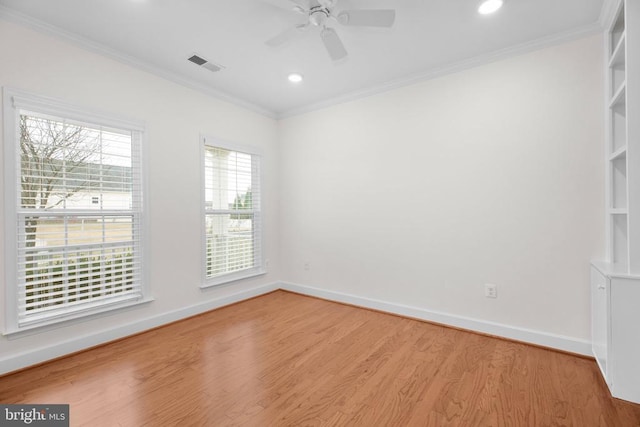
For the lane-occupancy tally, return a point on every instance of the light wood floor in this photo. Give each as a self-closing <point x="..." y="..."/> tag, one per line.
<point x="284" y="359"/>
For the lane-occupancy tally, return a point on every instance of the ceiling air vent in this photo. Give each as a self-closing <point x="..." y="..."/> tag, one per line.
<point x="198" y="60"/>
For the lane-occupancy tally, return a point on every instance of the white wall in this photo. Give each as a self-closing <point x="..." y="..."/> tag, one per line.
<point x="421" y="195"/>
<point x="417" y="196"/>
<point x="175" y="117"/>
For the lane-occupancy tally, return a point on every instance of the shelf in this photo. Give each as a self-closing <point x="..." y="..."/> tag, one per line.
<point x="618" y="211"/>
<point x="620" y="153"/>
<point x="618" y="57"/>
<point x="619" y="98"/>
<point x="613" y="270"/>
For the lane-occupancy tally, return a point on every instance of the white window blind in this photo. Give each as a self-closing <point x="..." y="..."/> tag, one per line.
<point x="79" y="207"/>
<point x="232" y="217"/>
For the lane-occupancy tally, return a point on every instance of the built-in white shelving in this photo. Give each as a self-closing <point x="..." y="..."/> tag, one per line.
<point x="615" y="283"/>
<point x="619" y="149"/>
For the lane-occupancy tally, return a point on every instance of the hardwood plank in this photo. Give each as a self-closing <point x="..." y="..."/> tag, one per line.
<point x="285" y="359"/>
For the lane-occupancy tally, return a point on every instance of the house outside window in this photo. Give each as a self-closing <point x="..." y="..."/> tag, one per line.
<point x="74" y="199"/>
<point x="232" y="216"/>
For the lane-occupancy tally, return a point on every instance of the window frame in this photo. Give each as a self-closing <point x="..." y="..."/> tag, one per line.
<point x="258" y="235"/>
<point x="15" y="101"/>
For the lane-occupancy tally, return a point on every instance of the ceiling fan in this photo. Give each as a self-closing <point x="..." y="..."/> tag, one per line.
<point x="320" y="12"/>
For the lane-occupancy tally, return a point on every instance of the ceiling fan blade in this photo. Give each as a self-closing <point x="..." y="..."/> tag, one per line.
<point x="333" y="44"/>
<point x="300" y="6"/>
<point x="286" y="35"/>
<point x="368" y="17"/>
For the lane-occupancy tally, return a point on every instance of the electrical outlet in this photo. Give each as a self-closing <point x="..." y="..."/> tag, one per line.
<point x="490" y="291"/>
<point x="307" y="266"/>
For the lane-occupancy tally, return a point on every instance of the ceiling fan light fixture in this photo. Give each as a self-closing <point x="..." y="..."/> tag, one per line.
<point x="295" y="77"/>
<point x="489" y="6"/>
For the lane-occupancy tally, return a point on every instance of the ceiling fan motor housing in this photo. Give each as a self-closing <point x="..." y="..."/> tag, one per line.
<point x="318" y="16"/>
<point x="319" y="12"/>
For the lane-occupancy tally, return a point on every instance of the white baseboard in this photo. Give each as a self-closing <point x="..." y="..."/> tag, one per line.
<point x="33" y="357"/>
<point x="559" y="342"/>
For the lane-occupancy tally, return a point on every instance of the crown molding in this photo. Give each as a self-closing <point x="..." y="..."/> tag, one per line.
<point x="608" y="9"/>
<point x="52" y="30"/>
<point x="498" y="55"/>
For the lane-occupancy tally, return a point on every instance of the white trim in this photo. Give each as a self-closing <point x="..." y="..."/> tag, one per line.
<point x="213" y="141"/>
<point x="43" y="27"/>
<point x="52" y="30"/>
<point x="227" y="279"/>
<point x="455" y="67"/>
<point x="78" y="317"/>
<point x="145" y="204"/>
<point x="203" y="218"/>
<point x="560" y="342"/>
<point x="10" y="206"/>
<point x="42" y="354"/>
<point x="255" y="152"/>
<point x="20" y="99"/>
<point x="13" y="101"/>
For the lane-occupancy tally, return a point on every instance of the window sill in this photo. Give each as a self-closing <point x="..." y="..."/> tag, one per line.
<point x="75" y="318"/>
<point x="233" y="277"/>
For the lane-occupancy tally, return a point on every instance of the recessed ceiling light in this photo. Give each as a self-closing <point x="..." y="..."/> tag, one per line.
<point x="295" y="77"/>
<point x="489" y="6"/>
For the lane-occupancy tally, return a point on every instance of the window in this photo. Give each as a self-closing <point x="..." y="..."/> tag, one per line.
<point x="74" y="193"/>
<point x="232" y="217"/>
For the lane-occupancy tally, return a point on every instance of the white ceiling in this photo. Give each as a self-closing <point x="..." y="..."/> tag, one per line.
<point x="428" y="36"/>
